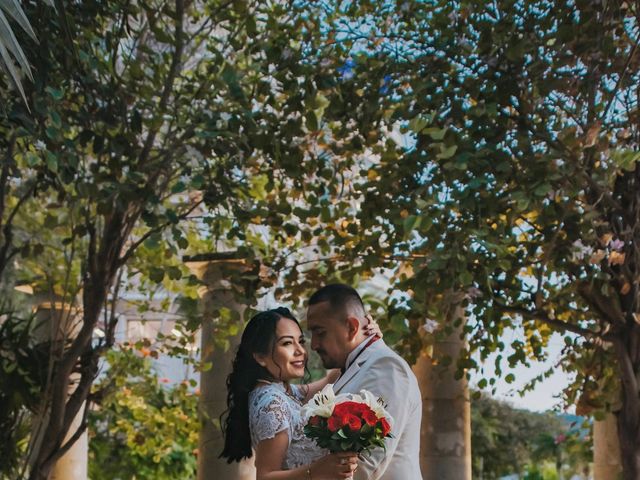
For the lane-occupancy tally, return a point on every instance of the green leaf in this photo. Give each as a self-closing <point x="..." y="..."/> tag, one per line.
<point x="229" y="75"/>
<point x="32" y="159"/>
<point x="55" y="118"/>
<point x="411" y="223"/>
<point x="346" y="445"/>
<point x="156" y="274"/>
<point x="543" y="189"/>
<point x="447" y="152"/>
<point x="178" y="187"/>
<point x="626" y="159"/>
<point x="435" y="132"/>
<point x="50" y="221"/>
<point x="136" y="121"/>
<point x="516" y="50"/>
<point x="174" y="273"/>
<point x="52" y="161"/>
<point x="55" y="93"/>
<point x="311" y="121"/>
<point x="417" y="124"/>
<point x="52" y="132"/>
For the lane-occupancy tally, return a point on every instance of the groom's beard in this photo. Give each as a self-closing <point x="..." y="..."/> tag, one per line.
<point x="327" y="362"/>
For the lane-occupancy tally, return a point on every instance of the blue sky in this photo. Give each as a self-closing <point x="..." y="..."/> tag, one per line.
<point x="545" y="395"/>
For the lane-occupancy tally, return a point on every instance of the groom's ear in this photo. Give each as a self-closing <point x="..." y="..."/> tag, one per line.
<point x="353" y="326"/>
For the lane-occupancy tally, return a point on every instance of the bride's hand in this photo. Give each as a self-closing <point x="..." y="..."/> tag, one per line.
<point x="334" y="465"/>
<point x="333" y="375"/>
<point x="372" y="328"/>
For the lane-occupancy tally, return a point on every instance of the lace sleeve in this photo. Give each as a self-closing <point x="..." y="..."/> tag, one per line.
<point x="269" y="414"/>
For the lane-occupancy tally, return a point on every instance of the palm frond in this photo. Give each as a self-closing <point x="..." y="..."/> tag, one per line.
<point x="13" y="61"/>
<point x="14" y="10"/>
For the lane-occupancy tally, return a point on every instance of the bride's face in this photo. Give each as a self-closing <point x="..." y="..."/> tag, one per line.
<point x="289" y="356"/>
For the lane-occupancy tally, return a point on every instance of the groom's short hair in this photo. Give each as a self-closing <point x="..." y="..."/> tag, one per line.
<point x="341" y="297"/>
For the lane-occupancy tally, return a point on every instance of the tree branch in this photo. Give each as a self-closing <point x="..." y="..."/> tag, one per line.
<point x="131" y="250"/>
<point x="621" y="77"/>
<point x="604" y="307"/>
<point x="73" y="439"/>
<point x="542" y="316"/>
<point x="7" y="229"/>
<point x="168" y="82"/>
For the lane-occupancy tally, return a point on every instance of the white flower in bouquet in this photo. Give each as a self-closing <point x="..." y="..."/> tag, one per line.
<point x="347" y="422"/>
<point x="376" y="404"/>
<point x="321" y="404"/>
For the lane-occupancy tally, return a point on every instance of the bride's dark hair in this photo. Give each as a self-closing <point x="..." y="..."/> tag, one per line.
<point x="258" y="338"/>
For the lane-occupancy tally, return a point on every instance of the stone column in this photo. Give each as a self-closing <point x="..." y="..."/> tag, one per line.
<point x="218" y="292"/>
<point x="607" y="464"/>
<point x="445" y="446"/>
<point x="74" y="463"/>
<point x="58" y="322"/>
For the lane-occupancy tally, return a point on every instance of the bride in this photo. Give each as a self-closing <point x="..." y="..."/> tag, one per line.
<point x="264" y="407"/>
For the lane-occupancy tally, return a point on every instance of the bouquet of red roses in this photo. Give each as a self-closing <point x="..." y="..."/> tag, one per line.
<point x="347" y="423"/>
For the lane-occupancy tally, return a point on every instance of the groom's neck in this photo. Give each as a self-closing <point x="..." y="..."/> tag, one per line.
<point x="357" y="343"/>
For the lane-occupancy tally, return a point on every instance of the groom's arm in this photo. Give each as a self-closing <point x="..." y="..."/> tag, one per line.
<point x="388" y="379"/>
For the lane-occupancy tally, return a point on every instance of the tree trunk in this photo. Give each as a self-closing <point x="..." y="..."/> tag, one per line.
<point x="445" y="447"/>
<point x="629" y="448"/>
<point x="58" y="324"/>
<point x="217" y="273"/>
<point x="606" y="449"/>
<point x="627" y="347"/>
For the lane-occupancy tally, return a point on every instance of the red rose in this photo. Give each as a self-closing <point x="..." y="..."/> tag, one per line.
<point x="353" y="408"/>
<point x="314" y="421"/>
<point x="334" y="424"/>
<point x="339" y="410"/>
<point x="386" y="428"/>
<point x="353" y="422"/>
<point x="370" y="417"/>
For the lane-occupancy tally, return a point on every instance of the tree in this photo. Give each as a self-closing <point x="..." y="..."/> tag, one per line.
<point x="505" y="440"/>
<point x="146" y="115"/>
<point x="512" y="179"/>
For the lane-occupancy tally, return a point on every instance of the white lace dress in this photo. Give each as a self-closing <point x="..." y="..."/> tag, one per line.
<point x="272" y="410"/>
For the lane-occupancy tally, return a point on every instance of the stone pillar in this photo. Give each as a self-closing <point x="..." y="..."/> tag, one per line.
<point x="445" y="441"/>
<point x="74" y="463"/>
<point x="57" y="322"/>
<point x="218" y="292"/>
<point x="607" y="464"/>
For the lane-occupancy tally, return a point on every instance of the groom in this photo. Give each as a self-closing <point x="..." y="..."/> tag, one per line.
<point x="336" y="318"/>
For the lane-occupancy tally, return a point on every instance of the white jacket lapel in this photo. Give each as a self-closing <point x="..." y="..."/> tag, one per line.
<point x="346" y="376"/>
<point x="357" y="365"/>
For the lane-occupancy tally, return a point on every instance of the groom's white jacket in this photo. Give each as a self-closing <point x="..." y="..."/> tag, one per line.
<point x="384" y="373"/>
